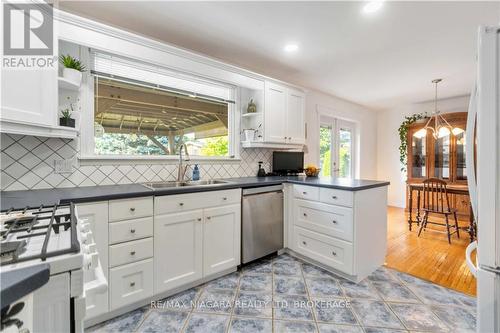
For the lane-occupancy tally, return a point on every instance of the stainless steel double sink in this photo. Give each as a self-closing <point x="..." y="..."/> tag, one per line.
<point x="160" y="185"/>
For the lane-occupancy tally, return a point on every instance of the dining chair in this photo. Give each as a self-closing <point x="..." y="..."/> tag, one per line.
<point x="437" y="201"/>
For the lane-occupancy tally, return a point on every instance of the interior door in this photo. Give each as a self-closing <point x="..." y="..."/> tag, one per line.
<point x="337" y="147"/>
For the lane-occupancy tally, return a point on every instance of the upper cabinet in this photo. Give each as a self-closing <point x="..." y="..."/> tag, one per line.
<point x="284" y="114"/>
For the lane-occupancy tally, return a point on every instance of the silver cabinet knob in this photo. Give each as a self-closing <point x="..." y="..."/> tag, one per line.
<point x="132" y="231"/>
<point x="304" y="242"/>
<point x="305" y="214"/>
<point x="334" y="197"/>
<point x="132" y="284"/>
<point x="334" y="222"/>
<point x="181" y="203"/>
<point x="208" y="217"/>
<point x="199" y="219"/>
<point x="132" y="209"/>
<point x="132" y="253"/>
<point x="334" y="253"/>
<point x="304" y="193"/>
<point x="224" y="198"/>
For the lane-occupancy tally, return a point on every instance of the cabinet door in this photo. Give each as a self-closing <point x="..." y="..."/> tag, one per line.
<point x="96" y="214"/>
<point x="29" y="96"/>
<point x="275" y="113"/>
<point x="295" y="120"/>
<point x="221" y="238"/>
<point x="177" y="249"/>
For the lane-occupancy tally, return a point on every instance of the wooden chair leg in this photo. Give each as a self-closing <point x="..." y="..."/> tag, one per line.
<point x="424" y="222"/>
<point x="456" y="224"/>
<point x="447" y="228"/>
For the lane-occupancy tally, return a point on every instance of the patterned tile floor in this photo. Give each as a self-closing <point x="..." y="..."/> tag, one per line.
<point x="283" y="294"/>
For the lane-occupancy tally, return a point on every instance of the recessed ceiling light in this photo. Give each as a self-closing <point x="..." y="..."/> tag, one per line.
<point x="291" y="47"/>
<point x="372" y="6"/>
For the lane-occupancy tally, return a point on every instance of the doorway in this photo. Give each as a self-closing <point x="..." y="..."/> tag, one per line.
<point x="336" y="147"/>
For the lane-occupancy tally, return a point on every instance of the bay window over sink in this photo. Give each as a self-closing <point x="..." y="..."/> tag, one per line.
<point x="141" y="110"/>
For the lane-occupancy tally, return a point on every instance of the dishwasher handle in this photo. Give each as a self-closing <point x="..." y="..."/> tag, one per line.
<point x="263" y="189"/>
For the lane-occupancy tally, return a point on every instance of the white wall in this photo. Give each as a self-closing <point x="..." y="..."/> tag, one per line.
<point x="388" y="122"/>
<point x="365" y="119"/>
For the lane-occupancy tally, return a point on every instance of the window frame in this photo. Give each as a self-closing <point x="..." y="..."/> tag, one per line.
<point x="87" y="140"/>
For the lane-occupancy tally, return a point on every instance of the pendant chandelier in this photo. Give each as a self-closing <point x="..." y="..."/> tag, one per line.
<point x="441" y="127"/>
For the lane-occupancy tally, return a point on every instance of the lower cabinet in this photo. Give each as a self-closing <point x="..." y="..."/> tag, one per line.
<point x="177" y="249"/>
<point x="221" y="238"/>
<point x="130" y="283"/>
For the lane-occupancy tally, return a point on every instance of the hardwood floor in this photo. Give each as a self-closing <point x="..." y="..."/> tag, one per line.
<point x="429" y="256"/>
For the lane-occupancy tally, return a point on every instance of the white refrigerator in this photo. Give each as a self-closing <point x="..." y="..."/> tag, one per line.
<point x="483" y="174"/>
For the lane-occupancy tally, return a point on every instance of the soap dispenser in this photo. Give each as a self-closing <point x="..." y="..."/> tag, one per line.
<point x="261" y="172"/>
<point x="196" y="172"/>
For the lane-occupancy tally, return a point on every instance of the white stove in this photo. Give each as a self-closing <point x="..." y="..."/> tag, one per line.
<point x="56" y="236"/>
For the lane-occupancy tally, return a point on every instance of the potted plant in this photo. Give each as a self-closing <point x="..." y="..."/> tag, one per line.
<point x="73" y="68"/>
<point x="65" y="119"/>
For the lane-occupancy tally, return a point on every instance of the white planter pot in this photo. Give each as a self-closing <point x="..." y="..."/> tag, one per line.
<point x="249" y="134"/>
<point x="72" y="75"/>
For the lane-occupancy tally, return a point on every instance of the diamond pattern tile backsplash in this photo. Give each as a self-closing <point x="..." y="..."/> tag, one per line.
<point x="27" y="162"/>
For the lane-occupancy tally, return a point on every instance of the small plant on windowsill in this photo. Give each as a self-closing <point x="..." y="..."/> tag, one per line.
<point x="73" y="68"/>
<point x="403" y="133"/>
<point x="65" y="119"/>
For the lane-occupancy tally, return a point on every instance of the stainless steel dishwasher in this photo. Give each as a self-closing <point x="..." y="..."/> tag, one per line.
<point x="262" y="222"/>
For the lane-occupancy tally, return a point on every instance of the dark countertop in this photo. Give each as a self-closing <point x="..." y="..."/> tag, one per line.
<point x="48" y="197"/>
<point x="18" y="283"/>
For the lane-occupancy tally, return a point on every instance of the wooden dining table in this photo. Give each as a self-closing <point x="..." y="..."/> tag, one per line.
<point x="451" y="189"/>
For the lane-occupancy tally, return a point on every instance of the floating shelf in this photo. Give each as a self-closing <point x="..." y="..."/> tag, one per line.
<point x="67" y="84"/>
<point x="260" y="144"/>
<point x="253" y="114"/>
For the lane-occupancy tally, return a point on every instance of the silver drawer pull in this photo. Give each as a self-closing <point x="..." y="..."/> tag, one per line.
<point x="132" y="209"/>
<point x="304" y="242"/>
<point x="199" y="219"/>
<point x="304" y="193"/>
<point x="334" y="253"/>
<point x="334" y="197"/>
<point x="181" y="203"/>
<point x="208" y="217"/>
<point x="132" y="231"/>
<point x="224" y="198"/>
<point x="132" y="284"/>
<point x="305" y="214"/>
<point x="132" y="253"/>
<point x="334" y="222"/>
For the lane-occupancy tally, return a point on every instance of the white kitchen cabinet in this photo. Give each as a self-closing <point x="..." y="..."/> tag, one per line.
<point x="96" y="214"/>
<point x="345" y="231"/>
<point x="130" y="283"/>
<point x="178" y="257"/>
<point x="275" y="112"/>
<point x="284" y="114"/>
<point x="221" y="238"/>
<point x="295" y="118"/>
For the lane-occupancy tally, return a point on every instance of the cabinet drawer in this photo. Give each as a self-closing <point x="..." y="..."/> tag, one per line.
<point x="184" y="202"/>
<point x="124" y="231"/>
<point x="331" y="220"/>
<point x="131" y="283"/>
<point x="332" y="252"/>
<point x="128" y="252"/>
<point x="306" y="192"/>
<point x="130" y="208"/>
<point x="336" y="197"/>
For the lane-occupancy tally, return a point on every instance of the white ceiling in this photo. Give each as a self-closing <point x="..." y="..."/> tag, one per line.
<point x="379" y="61"/>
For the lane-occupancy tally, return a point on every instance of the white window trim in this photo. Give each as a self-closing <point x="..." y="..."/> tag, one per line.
<point x="87" y="142"/>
